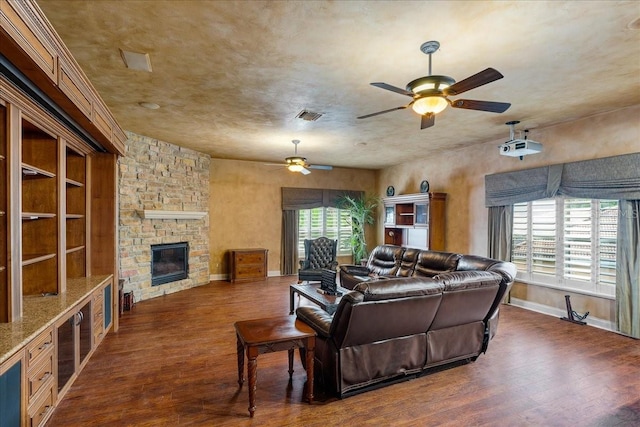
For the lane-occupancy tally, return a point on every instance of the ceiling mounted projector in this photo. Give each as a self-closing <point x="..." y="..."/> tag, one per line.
<point x="516" y="147"/>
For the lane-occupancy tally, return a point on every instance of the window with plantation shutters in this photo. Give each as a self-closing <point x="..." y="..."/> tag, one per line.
<point x="567" y="243"/>
<point x="332" y="223"/>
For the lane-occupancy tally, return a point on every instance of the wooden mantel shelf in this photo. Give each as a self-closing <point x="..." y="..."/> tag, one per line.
<point x="158" y="214"/>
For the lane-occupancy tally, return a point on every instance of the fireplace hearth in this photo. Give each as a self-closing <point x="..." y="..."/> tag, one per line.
<point x="169" y="263"/>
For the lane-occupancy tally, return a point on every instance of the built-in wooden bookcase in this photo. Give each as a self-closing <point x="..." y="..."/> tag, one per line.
<point x="415" y="220"/>
<point x="39" y="211"/>
<point x="4" y="231"/>
<point x="76" y="213"/>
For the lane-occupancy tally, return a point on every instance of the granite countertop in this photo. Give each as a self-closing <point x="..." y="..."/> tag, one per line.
<point x="40" y="312"/>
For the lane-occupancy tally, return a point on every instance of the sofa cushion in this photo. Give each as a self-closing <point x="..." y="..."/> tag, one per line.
<point x="385" y="260"/>
<point x="474" y="262"/>
<point x="459" y="280"/>
<point x="430" y="263"/>
<point x="401" y="287"/>
<point x="408" y="262"/>
<point x="356" y="270"/>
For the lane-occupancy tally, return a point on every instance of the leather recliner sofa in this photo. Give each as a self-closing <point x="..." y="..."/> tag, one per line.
<point x="394" y="328"/>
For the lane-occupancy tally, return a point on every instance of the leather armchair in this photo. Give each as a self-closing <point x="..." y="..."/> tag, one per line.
<point x="320" y="254"/>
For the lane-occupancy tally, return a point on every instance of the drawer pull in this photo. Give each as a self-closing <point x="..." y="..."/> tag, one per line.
<point x="45" y="345"/>
<point x="45" y="377"/>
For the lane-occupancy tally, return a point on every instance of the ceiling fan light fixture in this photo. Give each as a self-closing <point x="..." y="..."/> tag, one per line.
<point x="429" y="104"/>
<point x="429" y="84"/>
<point x="294" y="167"/>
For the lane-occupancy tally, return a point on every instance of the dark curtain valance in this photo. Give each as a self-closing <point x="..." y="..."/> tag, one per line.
<point x="616" y="177"/>
<point x="515" y="187"/>
<point x="309" y="198"/>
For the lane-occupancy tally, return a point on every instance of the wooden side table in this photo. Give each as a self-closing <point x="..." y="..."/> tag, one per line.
<point x="247" y="264"/>
<point x="269" y="335"/>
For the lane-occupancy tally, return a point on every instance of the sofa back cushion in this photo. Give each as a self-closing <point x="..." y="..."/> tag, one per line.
<point x="408" y="262"/>
<point x="475" y="263"/>
<point x="383" y="309"/>
<point x="430" y="263"/>
<point x="385" y="260"/>
<point x="468" y="297"/>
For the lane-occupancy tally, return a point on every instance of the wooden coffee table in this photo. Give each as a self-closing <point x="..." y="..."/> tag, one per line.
<point x="259" y="336"/>
<point x="309" y="290"/>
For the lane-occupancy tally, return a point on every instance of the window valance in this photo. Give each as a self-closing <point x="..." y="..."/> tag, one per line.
<point x="616" y="177"/>
<point x="309" y="198"/>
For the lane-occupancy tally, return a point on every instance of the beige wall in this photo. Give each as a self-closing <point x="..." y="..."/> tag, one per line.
<point x="245" y="205"/>
<point x="461" y="174"/>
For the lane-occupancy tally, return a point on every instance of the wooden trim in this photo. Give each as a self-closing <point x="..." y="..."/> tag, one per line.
<point x="62" y="216"/>
<point x="29" y="39"/>
<point x="22" y="28"/>
<point x="14" y="224"/>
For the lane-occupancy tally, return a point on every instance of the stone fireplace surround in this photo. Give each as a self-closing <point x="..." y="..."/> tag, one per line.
<point x="163" y="198"/>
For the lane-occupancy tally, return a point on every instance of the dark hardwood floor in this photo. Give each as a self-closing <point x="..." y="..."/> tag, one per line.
<point x="173" y="362"/>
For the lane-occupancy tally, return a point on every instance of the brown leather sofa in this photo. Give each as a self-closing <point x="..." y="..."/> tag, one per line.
<point x="395" y="328"/>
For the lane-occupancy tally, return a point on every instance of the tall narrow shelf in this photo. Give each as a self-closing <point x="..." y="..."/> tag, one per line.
<point x="76" y="209"/>
<point x="4" y="259"/>
<point x="40" y="261"/>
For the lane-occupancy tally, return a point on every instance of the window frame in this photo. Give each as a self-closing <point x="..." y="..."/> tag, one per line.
<point x="342" y="232"/>
<point x="559" y="279"/>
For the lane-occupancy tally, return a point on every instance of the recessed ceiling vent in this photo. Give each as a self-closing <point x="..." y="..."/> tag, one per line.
<point x="136" y="61"/>
<point x="309" y="116"/>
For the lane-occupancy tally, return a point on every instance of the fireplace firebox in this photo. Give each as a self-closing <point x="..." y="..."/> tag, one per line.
<point x="169" y="262"/>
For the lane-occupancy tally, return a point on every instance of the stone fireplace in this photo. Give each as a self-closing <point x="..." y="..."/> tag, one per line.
<point x="163" y="201"/>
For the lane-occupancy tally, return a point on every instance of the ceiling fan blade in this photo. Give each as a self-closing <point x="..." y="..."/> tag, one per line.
<point x="305" y="171"/>
<point x="320" y="167"/>
<point x="427" y="120"/>
<point x="385" y="111"/>
<point x="470" y="104"/>
<point x="482" y="78"/>
<point x="392" y="88"/>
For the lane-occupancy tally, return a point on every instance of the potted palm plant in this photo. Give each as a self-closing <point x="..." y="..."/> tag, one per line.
<point x="362" y="213"/>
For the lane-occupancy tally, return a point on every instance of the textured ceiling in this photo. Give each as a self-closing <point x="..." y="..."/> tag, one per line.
<point x="231" y="76"/>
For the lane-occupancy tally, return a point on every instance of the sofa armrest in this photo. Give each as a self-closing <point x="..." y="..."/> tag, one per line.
<point x="355" y="270"/>
<point x="318" y="319"/>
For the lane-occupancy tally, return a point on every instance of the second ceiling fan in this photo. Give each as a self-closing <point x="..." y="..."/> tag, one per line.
<point x="298" y="163"/>
<point x="430" y="93"/>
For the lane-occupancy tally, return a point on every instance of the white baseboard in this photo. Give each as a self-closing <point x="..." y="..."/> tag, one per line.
<point x="556" y="312"/>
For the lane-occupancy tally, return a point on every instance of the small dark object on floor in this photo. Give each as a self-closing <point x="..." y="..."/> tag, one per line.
<point x="572" y="316"/>
<point x="128" y="301"/>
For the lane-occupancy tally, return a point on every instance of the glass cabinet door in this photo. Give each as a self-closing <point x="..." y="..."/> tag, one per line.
<point x="422" y="216"/>
<point x="389" y="215"/>
<point x="66" y="351"/>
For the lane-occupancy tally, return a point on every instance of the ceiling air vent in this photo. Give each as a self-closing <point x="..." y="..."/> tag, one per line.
<point x="309" y="116"/>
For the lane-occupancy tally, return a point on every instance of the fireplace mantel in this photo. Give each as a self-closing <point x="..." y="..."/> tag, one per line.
<point x="158" y="214"/>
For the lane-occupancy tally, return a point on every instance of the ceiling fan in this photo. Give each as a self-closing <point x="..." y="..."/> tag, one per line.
<point x="430" y="93"/>
<point x="297" y="163"/>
